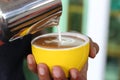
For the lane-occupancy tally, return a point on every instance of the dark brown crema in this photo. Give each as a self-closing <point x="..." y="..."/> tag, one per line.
<point x="52" y="42"/>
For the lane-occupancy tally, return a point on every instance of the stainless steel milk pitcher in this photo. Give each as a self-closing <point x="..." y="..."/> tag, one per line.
<point x="22" y="17"/>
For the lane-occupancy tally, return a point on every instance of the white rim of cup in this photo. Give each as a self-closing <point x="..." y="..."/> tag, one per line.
<point x="74" y="34"/>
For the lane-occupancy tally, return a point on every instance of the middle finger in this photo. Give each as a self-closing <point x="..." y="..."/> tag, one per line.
<point x="58" y="73"/>
<point x="43" y="72"/>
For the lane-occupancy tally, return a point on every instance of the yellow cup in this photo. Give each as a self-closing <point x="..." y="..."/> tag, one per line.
<point x="67" y="58"/>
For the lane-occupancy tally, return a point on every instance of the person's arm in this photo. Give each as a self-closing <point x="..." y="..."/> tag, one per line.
<point x="43" y="73"/>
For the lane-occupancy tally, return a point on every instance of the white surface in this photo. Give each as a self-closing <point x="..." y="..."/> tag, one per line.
<point x="97" y="29"/>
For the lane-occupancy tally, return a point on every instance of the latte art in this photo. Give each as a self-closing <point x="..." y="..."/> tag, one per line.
<point x="53" y="42"/>
<point x="65" y="41"/>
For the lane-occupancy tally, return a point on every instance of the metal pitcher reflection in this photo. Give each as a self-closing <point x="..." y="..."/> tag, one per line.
<point x="21" y="17"/>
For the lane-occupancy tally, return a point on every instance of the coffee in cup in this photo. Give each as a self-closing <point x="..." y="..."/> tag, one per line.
<point x="52" y="42"/>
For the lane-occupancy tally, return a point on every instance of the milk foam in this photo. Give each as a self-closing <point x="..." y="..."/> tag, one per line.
<point x="66" y="41"/>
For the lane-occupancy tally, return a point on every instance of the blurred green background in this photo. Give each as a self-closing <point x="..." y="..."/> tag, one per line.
<point x="73" y="18"/>
<point x="113" y="58"/>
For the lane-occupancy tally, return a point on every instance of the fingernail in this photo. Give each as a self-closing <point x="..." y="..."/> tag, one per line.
<point x="41" y="70"/>
<point x="74" y="74"/>
<point x="95" y="51"/>
<point x="56" y="72"/>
